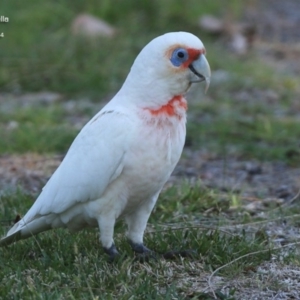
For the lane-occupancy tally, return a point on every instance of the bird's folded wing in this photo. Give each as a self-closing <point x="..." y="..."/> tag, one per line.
<point x="93" y="161"/>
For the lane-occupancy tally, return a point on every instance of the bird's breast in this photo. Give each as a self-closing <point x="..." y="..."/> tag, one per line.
<point x="154" y="152"/>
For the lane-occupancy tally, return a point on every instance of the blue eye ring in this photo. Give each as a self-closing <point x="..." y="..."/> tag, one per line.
<point x="179" y="56"/>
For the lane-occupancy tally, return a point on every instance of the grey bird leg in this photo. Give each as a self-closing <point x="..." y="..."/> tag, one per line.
<point x="137" y="222"/>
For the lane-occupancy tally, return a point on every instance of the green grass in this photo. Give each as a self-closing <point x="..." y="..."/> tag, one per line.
<point x="58" y="264"/>
<point x="38" y="129"/>
<point x="261" y="137"/>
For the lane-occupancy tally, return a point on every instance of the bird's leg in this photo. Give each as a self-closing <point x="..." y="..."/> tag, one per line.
<point x="137" y="222"/>
<point x="106" y="225"/>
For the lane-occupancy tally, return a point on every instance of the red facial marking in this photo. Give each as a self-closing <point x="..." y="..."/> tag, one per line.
<point x="171" y="108"/>
<point x="193" y="55"/>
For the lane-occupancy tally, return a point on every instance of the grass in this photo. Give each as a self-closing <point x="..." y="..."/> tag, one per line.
<point x="58" y="264"/>
<point x="35" y="129"/>
<point x="38" y="53"/>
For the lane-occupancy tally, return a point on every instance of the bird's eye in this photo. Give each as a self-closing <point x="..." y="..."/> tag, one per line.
<point x="179" y="56"/>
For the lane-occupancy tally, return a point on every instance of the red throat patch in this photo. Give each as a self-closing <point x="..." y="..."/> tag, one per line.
<point x="172" y="108"/>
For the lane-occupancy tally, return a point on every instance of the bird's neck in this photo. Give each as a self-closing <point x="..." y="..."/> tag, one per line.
<point x="175" y="107"/>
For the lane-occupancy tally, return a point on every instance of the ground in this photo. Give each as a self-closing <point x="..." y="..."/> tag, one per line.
<point x="233" y="199"/>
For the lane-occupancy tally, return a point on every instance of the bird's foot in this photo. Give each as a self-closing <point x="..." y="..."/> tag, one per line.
<point x="112" y="252"/>
<point x="139" y="248"/>
<point x="143" y="253"/>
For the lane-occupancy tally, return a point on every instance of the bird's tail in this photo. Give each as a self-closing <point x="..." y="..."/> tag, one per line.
<point x="22" y="231"/>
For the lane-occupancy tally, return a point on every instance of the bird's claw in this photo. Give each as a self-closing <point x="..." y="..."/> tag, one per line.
<point x="112" y="252"/>
<point x="139" y="248"/>
<point x="142" y="252"/>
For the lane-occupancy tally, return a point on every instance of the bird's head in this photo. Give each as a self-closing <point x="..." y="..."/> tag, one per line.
<point x="167" y="66"/>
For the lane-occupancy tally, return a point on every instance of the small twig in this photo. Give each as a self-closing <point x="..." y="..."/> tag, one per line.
<point x="239" y="258"/>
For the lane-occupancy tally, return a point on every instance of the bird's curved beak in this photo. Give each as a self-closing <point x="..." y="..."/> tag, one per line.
<point x="201" y="69"/>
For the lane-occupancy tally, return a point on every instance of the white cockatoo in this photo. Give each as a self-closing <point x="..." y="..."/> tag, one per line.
<point x="121" y="159"/>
